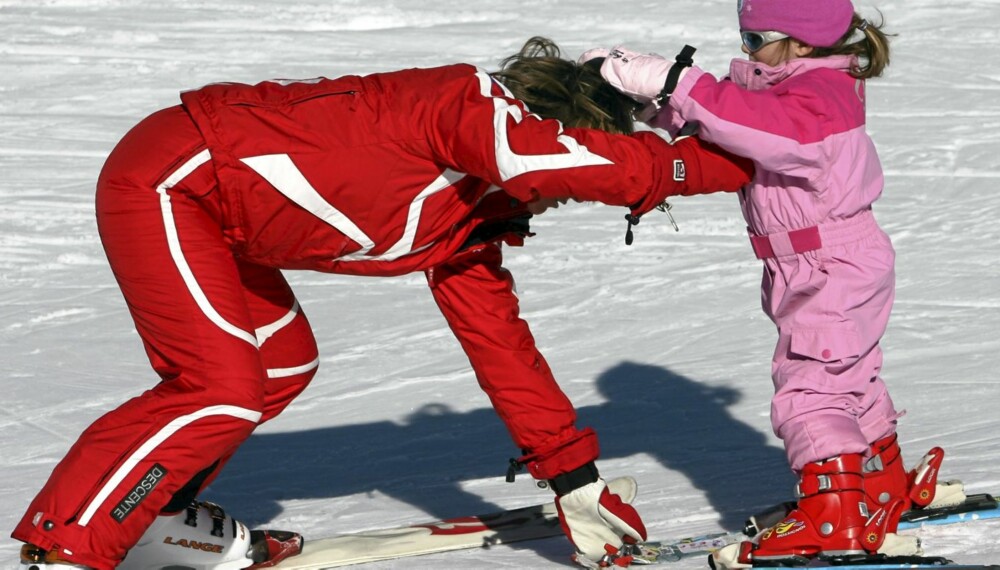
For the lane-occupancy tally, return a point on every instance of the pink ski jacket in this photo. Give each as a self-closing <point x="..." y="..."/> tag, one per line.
<point x="803" y="125"/>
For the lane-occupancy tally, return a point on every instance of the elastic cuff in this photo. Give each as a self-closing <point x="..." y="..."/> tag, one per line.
<point x="821" y="437"/>
<point x="570" y="453"/>
<point x="579" y="477"/>
<point x="46" y="531"/>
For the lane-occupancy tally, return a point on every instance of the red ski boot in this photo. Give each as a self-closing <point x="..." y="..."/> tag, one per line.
<point x="831" y="519"/>
<point x="886" y="478"/>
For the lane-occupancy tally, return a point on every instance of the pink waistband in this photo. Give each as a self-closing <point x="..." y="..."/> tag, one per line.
<point x="812" y="238"/>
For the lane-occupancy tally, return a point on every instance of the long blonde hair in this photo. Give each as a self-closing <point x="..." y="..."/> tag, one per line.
<point x="557" y="88"/>
<point x="872" y="49"/>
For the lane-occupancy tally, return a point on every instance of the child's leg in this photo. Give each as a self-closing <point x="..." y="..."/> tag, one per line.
<point x="878" y="416"/>
<point x="832" y="307"/>
<point x="820" y="384"/>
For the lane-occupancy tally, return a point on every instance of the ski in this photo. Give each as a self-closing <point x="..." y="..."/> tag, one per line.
<point x="648" y="554"/>
<point x="976" y="507"/>
<point x="481" y="531"/>
<point x="542" y="521"/>
<point x="892" y="566"/>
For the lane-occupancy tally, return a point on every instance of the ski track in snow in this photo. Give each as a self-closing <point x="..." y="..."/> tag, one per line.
<point x="661" y="345"/>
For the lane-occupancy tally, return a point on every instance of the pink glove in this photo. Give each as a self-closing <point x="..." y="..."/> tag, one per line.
<point x="599" y="523"/>
<point x="639" y="75"/>
<point x="642" y="76"/>
<point x="596" y="53"/>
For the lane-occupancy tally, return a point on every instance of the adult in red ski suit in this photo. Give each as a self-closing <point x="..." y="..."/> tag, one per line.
<point x="201" y="205"/>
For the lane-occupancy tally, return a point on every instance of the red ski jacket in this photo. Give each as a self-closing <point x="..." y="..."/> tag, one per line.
<point x="392" y="173"/>
<point x="383" y="174"/>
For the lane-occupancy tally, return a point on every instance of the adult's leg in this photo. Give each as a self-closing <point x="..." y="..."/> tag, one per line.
<point x="287" y="350"/>
<point x="184" y="291"/>
<point x="287" y="347"/>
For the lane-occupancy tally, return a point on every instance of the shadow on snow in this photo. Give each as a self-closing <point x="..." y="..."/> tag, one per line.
<point x="684" y="425"/>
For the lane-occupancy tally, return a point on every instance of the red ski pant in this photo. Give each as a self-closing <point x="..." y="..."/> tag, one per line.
<point x="227" y="338"/>
<point x="233" y="349"/>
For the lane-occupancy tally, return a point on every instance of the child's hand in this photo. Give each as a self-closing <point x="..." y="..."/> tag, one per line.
<point x="639" y="75"/>
<point x="591" y="54"/>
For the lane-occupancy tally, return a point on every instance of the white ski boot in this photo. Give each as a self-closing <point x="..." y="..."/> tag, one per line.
<point x="203" y="537"/>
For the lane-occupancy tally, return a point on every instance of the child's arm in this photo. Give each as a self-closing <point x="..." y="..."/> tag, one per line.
<point x="775" y="131"/>
<point x="778" y="130"/>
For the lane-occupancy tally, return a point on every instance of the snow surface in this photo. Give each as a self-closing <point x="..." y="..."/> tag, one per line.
<point x="661" y="345"/>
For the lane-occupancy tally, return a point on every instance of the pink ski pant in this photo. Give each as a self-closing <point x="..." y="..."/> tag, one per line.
<point x="831" y="307"/>
<point x="227" y="338"/>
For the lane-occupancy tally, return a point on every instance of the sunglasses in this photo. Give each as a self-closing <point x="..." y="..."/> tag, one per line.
<point x="754" y="41"/>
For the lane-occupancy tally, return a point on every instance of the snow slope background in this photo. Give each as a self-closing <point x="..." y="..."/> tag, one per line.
<point x="661" y="345"/>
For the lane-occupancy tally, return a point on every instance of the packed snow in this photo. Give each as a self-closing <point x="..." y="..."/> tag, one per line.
<point x="661" y="345"/>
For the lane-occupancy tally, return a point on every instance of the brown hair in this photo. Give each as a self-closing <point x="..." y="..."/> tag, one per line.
<point x="872" y="49"/>
<point x="556" y="88"/>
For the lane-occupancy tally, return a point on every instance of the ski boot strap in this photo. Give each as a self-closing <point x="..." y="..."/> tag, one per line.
<point x="878" y="522"/>
<point x="925" y="477"/>
<point x="814" y="484"/>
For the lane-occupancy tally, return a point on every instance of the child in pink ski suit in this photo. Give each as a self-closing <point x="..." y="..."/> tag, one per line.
<point x="796" y="108"/>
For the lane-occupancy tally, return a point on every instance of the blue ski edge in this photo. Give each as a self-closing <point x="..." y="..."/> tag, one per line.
<point x="890" y="566"/>
<point x="986" y="514"/>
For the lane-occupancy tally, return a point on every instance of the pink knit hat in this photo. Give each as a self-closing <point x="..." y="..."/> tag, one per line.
<point x="819" y="23"/>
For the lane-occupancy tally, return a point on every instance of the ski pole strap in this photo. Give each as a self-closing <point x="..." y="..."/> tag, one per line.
<point x="580" y="477"/>
<point x="633" y="220"/>
<point x="513" y="468"/>
<point x="684" y="59"/>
